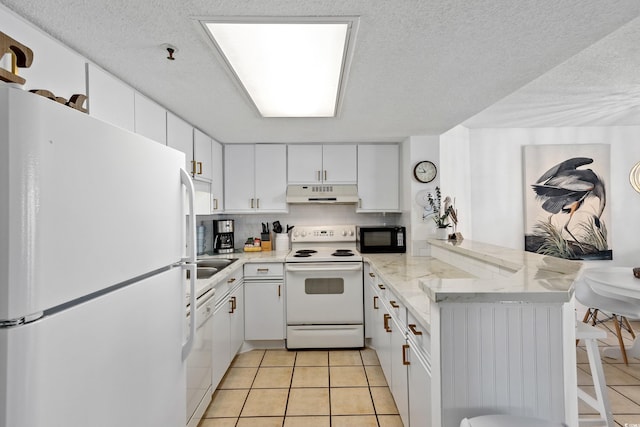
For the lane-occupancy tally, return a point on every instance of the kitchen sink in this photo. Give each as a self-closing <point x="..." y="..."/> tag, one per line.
<point x="203" y="272"/>
<point x="217" y="263"/>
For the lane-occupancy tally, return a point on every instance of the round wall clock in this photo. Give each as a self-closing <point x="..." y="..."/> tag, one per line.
<point x="425" y="171"/>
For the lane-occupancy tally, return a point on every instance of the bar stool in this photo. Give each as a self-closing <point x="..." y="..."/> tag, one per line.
<point x="591" y="335"/>
<point x="507" y="421"/>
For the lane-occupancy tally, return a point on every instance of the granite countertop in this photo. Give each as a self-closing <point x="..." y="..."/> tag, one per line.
<point x="467" y="271"/>
<point x="456" y="272"/>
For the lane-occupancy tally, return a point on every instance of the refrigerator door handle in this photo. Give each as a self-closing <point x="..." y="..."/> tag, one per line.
<point x="191" y="262"/>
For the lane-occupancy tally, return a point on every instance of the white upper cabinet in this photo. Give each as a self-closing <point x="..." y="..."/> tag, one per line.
<point x="55" y="66"/>
<point x="316" y="164"/>
<point x="202" y="156"/>
<point x="109" y="99"/>
<point x="255" y="178"/>
<point x="217" y="186"/>
<point x="378" y="178"/>
<point x="150" y="119"/>
<point x="180" y="137"/>
<point x="339" y="164"/>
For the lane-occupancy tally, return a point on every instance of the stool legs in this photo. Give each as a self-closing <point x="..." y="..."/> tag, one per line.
<point x="590" y="335"/>
<point x="591" y="315"/>
<point x="620" y="342"/>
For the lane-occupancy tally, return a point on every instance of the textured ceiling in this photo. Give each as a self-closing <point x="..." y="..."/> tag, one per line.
<point x="419" y="67"/>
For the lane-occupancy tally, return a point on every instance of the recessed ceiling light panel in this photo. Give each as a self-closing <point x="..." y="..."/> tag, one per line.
<point x="288" y="68"/>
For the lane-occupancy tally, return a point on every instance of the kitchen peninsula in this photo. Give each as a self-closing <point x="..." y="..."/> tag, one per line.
<point x="485" y="329"/>
<point x="469" y="330"/>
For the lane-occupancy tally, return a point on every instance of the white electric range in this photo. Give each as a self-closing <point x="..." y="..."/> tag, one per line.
<point x="324" y="288"/>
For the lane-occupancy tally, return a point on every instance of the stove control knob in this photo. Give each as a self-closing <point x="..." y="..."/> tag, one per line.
<point x="344" y="232"/>
<point x="351" y="233"/>
<point x="304" y="234"/>
<point x="296" y="234"/>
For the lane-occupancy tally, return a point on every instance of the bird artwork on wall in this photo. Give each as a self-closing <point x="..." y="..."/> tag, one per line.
<point x="566" y="200"/>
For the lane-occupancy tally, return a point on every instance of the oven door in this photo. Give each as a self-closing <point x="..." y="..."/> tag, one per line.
<point x="324" y="293"/>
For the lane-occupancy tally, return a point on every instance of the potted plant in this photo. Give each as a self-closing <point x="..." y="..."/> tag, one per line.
<point x="441" y="213"/>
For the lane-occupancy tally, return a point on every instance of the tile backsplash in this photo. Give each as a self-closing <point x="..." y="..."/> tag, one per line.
<point x="249" y="225"/>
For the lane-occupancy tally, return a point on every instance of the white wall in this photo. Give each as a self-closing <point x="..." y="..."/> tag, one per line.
<point x="496" y="188"/>
<point x="417" y="148"/>
<point x="454" y="175"/>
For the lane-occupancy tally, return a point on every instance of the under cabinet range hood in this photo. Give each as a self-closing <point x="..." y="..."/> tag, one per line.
<point x="342" y="193"/>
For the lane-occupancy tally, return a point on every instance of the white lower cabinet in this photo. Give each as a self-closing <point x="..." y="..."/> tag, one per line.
<point x="402" y="350"/>
<point x="398" y="385"/>
<point x="264" y="315"/>
<point x="419" y="386"/>
<point x="236" y="321"/>
<point x="264" y="301"/>
<point x="221" y="342"/>
<point x="228" y="324"/>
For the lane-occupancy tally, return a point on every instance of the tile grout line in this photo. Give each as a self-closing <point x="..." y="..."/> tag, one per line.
<point x="375" y="411"/>
<point x="250" y="387"/>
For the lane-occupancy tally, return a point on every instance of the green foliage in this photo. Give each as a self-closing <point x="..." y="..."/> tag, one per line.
<point x="594" y="235"/>
<point x="553" y="243"/>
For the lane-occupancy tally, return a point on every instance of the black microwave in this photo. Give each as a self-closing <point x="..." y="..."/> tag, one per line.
<point x="381" y="239"/>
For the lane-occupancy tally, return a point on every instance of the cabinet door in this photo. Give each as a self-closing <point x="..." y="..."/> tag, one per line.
<point x="221" y="342"/>
<point x="370" y="302"/>
<point x="271" y="177"/>
<point x="399" y="384"/>
<point x="419" y="390"/>
<point x="236" y="325"/>
<point x="109" y="99"/>
<point x="382" y="338"/>
<point x="202" y="155"/>
<point x="304" y="164"/>
<point x="217" y="175"/>
<point x="239" y="178"/>
<point x="180" y="137"/>
<point x="150" y="119"/>
<point x="264" y="311"/>
<point x="202" y="205"/>
<point x="378" y="178"/>
<point x="339" y="164"/>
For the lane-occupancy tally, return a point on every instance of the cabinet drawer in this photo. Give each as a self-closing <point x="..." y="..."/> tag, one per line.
<point x="418" y="334"/>
<point x="265" y="269"/>
<point x="227" y="285"/>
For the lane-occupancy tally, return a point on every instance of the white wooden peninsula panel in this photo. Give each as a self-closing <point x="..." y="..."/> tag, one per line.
<point x="505" y="358"/>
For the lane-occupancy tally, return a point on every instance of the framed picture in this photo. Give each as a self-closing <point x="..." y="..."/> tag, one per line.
<point x="565" y="195"/>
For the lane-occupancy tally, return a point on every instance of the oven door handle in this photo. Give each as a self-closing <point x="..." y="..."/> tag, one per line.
<point x="323" y="267"/>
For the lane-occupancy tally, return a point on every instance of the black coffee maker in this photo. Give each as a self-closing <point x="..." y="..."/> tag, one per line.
<point x="223" y="236"/>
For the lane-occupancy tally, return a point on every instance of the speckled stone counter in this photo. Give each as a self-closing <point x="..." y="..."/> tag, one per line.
<point x="470" y="271"/>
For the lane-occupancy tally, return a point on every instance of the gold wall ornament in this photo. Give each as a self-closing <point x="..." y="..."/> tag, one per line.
<point x="21" y="57"/>
<point x="634" y="177"/>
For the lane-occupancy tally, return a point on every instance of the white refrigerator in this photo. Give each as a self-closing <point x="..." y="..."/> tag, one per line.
<point x="95" y="235"/>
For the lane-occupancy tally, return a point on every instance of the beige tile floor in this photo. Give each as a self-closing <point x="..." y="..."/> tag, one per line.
<point x="280" y="388"/>
<point x="347" y="388"/>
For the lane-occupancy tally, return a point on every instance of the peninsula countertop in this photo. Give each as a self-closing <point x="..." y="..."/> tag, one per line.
<point x="468" y="272"/>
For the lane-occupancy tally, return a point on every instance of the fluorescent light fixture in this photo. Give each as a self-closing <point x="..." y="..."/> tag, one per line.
<point x="288" y="68"/>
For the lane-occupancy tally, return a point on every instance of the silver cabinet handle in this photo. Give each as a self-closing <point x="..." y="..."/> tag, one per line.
<point x="325" y="175"/>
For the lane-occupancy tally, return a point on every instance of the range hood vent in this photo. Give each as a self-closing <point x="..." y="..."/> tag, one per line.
<point x="343" y="193"/>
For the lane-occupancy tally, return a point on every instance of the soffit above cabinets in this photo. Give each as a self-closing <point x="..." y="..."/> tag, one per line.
<point x="418" y="68"/>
